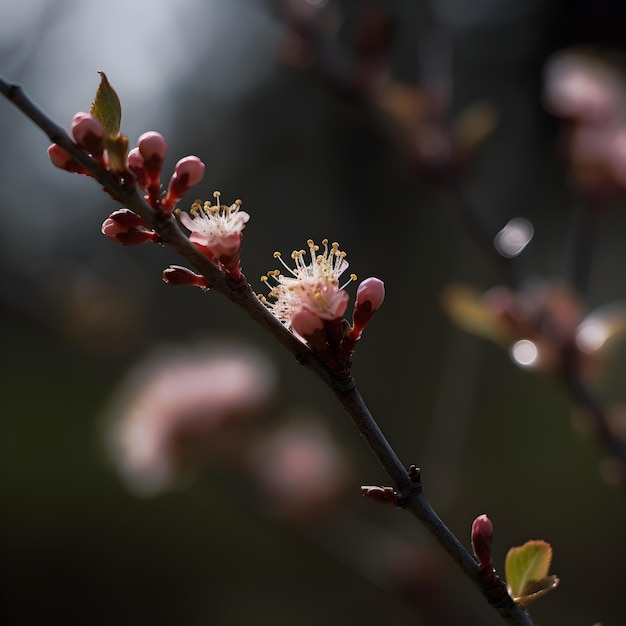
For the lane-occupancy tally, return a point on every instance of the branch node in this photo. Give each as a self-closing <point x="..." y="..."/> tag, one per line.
<point x="415" y="474"/>
<point x="404" y="495"/>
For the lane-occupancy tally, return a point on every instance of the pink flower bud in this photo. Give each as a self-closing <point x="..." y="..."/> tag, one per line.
<point x="61" y="159"/>
<point x="187" y="173"/>
<point x="369" y="296"/>
<point x="128" y="228"/>
<point x="482" y="535"/>
<point x="88" y="133"/>
<point x="152" y="148"/>
<point x="372" y="291"/>
<point x="127" y="219"/>
<point x="135" y="160"/>
<point x="178" y="275"/>
<point x="152" y="145"/>
<point x="135" y="164"/>
<point x="191" y="168"/>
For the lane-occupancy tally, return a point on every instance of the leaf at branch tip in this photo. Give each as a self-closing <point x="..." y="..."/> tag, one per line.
<point x="106" y="107"/>
<point x="467" y="309"/>
<point x="526" y="569"/>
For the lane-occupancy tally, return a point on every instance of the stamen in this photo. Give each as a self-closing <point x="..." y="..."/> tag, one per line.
<point x="278" y="256"/>
<point x="351" y="279"/>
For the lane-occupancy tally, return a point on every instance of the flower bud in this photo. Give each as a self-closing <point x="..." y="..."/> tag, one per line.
<point x="152" y="147"/>
<point x="187" y="173"/>
<point x="134" y="160"/>
<point x="128" y="228"/>
<point x="88" y="133"/>
<point x="178" y="275"/>
<point x="369" y="296"/>
<point x="192" y="168"/>
<point x="372" y="291"/>
<point x="384" y="495"/>
<point x="482" y="535"/>
<point x="61" y="159"/>
<point x="135" y="164"/>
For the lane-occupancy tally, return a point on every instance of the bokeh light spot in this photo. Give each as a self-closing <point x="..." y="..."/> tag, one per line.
<point x="591" y="336"/>
<point x="514" y="237"/>
<point x="525" y="353"/>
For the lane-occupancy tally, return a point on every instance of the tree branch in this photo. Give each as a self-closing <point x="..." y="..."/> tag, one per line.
<point x="409" y="486"/>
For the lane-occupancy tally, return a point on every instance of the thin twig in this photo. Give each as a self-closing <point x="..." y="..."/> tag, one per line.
<point x="344" y="387"/>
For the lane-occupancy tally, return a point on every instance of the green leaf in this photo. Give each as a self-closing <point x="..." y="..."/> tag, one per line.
<point x="106" y="107"/>
<point x="526" y="569"/>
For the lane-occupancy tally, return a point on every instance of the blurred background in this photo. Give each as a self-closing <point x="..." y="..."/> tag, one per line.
<point x="162" y="462"/>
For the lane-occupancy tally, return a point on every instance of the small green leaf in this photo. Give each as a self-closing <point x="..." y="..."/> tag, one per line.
<point x="106" y="107"/>
<point x="526" y="569"/>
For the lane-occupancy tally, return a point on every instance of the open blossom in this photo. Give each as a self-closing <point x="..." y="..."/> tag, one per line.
<point x="217" y="227"/>
<point x="313" y="285"/>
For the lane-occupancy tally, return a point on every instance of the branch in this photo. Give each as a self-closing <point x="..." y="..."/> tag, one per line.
<point x="408" y="484"/>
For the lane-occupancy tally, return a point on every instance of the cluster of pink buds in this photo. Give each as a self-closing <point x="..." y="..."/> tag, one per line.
<point x="310" y="301"/>
<point x="146" y="162"/>
<point x="142" y="165"/>
<point x="89" y="134"/>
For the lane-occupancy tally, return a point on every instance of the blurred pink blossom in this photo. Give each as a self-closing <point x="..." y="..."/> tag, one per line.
<point x="588" y="91"/>
<point x="180" y="409"/>
<point x="583" y="86"/>
<point x="302" y="469"/>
